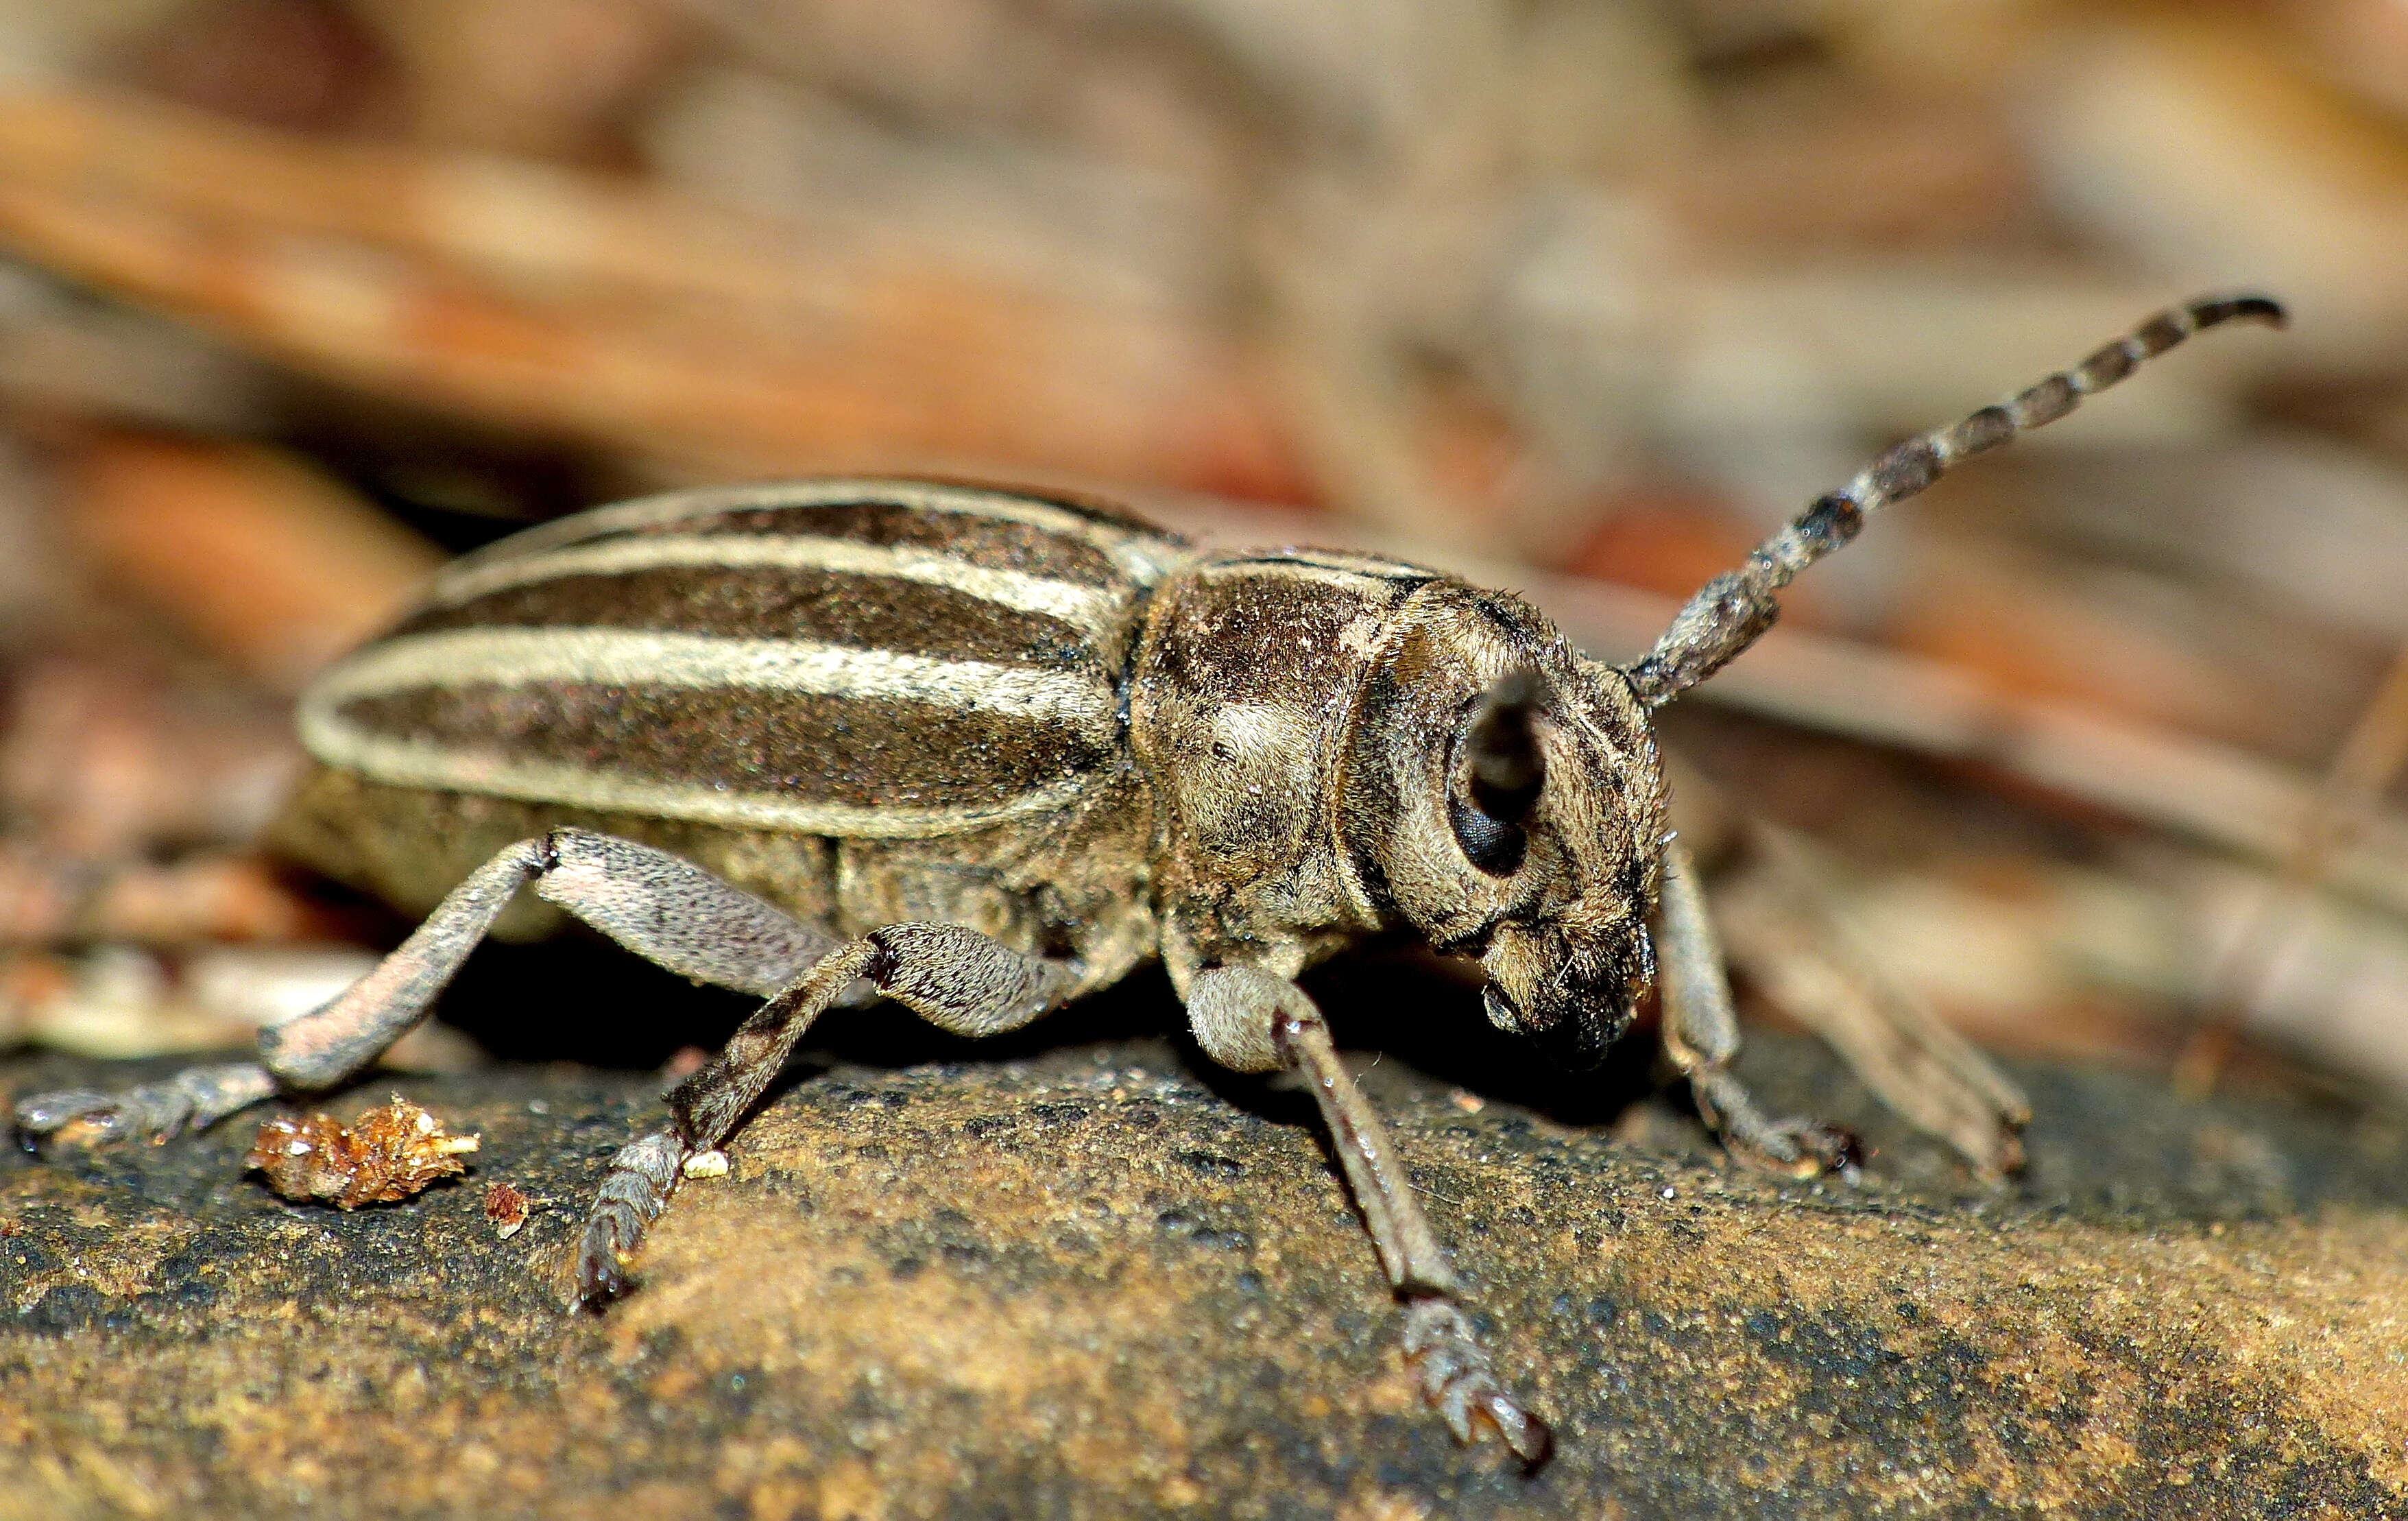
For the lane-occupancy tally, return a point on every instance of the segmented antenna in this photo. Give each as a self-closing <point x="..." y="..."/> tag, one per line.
<point x="1729" y="613"/>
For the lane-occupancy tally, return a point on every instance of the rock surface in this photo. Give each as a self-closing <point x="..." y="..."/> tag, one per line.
<point x="1089" y="1279"/>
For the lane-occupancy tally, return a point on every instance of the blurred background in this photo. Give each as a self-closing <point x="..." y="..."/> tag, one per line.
<point x="2091" y="750"/>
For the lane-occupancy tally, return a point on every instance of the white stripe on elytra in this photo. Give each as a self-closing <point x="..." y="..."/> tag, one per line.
<point x="414" y="763"/>
<point x="1142" y="556"/>
<point x="1386" y="580"/>
<point x="1089" y="608"/>
<point x="1372" y="567"/>
<point x="637" y="658"/>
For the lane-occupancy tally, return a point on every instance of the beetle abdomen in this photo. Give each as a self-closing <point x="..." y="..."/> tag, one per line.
<point x="855" y="659"/>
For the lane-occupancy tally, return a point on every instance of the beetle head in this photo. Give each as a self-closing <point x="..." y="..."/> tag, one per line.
<point x="1504" y="798"/>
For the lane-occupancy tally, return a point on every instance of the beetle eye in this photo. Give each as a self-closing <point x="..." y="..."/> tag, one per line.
<point x="1493" y="845"/>
<point x="1503" y="771"/>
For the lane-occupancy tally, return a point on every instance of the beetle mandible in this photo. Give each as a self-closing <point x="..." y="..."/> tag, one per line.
<point x="980" y="752"/>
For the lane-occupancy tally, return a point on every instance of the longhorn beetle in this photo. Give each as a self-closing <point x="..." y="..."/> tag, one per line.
<point x="980" y="752"/>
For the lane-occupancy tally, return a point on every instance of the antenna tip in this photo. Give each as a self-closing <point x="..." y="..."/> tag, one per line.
<point x="2208" y="311"/>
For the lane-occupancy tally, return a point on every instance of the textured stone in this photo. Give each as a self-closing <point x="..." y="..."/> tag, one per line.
<point x="1094" y="1281"/>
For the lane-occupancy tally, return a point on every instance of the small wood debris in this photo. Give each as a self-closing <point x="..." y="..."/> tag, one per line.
<point x="387" y="1156"/>
<point x="507" y="1208"/>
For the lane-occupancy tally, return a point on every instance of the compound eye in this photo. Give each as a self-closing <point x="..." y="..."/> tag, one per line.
<point x="1492" y="845"/>
<point x="1503" y="773"/>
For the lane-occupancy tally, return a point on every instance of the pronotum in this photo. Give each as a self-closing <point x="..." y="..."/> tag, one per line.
<point x="979" y="752"/>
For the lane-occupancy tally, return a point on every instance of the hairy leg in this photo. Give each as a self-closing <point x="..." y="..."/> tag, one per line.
<point x="1781" y="921"/>
<point x="1252" y="1021"/>
<point x="198" y="1097"/>
<point x="663" y="908"/>
<point x="1701" y="1034"/>
<point x="1784" y="926"/>
<point x="955" y="978"/>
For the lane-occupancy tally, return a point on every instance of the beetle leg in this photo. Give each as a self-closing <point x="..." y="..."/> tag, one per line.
<point x="198" y="1097"/>
<point x="669" y="912"/>
<point x="953" y="977"/>
<point x="659" y="907"/>
<point x="1454" y="1369"/>
<point x="1784" y="929"/>
<point x="1701" y="1034"/>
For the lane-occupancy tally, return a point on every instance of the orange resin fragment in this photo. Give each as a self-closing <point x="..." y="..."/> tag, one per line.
<point x="387" y="1154"/>
<point x="507" y="1208"/>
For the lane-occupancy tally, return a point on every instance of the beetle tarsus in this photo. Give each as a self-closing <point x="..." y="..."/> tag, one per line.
<point x="1461" y="1384"/>
<point x="100" y="1117"/>
<point x="631" y="1196"/>
<point x="1803" y="1148"/>
<point x="1799" y="1148"/>
<point x="193" y="1099"/>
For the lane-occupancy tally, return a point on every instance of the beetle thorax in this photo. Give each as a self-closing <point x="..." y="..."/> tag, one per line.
<point x="1250" y="667"/>
<point x="1302" y="719"/>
